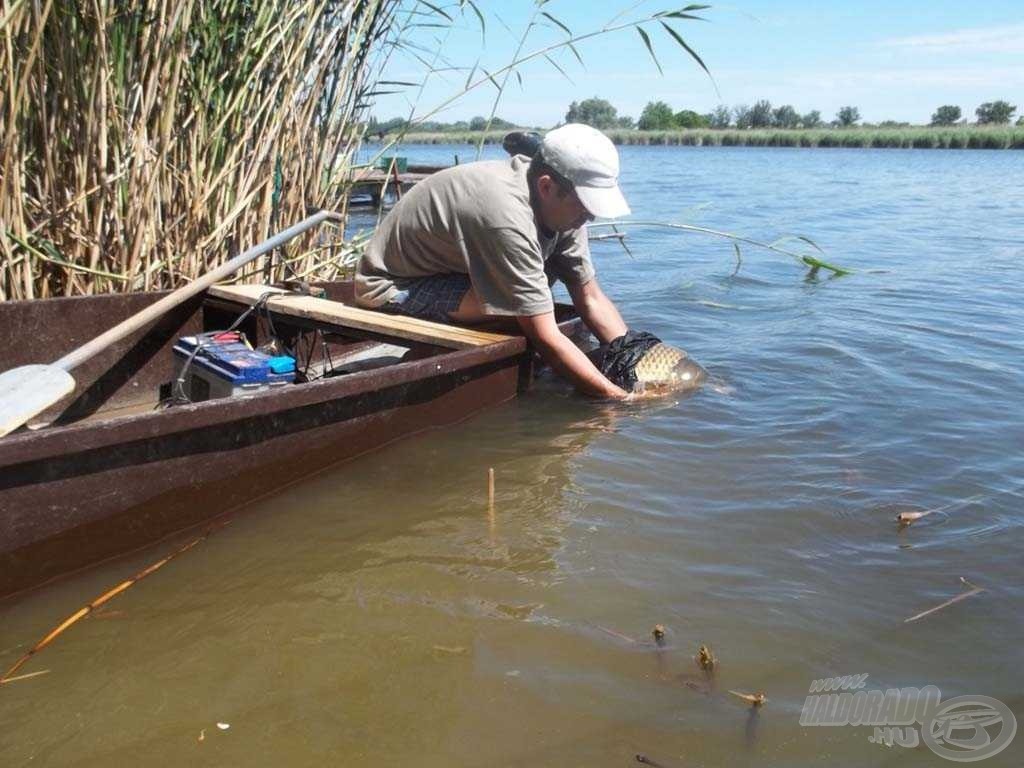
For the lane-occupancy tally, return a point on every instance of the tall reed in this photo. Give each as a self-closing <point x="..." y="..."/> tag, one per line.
<point x="144" y="141"/>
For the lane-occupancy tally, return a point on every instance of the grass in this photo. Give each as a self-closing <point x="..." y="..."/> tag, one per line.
<point x="960" y="137"/>
<point x="142" y="143"/>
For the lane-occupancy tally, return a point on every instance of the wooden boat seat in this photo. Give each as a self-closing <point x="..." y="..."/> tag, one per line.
<point x="336" y="313"/>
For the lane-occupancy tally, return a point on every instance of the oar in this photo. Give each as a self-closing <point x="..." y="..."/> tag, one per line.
<point x="31" y="389"/>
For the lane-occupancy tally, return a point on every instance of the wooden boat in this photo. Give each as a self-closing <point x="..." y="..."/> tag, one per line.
<point x="106" y="471"/>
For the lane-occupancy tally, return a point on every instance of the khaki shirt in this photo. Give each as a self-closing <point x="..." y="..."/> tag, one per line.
<point x="473" y="219"/>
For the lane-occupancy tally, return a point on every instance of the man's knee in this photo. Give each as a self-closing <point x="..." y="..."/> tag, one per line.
<point x="470" y="310"/>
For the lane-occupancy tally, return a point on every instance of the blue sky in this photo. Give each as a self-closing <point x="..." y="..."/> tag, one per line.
<point x="894" y="60"/>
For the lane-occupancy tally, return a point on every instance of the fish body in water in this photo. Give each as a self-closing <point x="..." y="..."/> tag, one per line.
<point x="666" y="366"/>
<point x="641" y="361"/>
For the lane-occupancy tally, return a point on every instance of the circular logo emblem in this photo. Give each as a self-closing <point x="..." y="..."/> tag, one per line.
<point x="969" y="728"/>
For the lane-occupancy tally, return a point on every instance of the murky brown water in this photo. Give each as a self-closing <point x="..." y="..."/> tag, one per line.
<point x="381" y="614"/>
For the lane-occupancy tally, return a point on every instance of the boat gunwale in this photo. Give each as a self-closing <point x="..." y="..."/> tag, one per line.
<point x="98" y="432"/>
<point x="31" y="445"/>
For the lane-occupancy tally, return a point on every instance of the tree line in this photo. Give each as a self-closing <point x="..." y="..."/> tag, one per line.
<point x="398" y="124"/>
<point x="659" y="116"/>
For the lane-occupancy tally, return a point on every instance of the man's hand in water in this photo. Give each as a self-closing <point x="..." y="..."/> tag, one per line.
<point x="647" y="393"/>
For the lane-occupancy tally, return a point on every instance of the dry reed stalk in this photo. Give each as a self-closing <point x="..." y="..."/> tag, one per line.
<point x="753" y="699"/>
<point x="16" y="678"/>
<point x="975" y="590"/>
<point x="85" y="610"/>
<point x="908" y="518"/>
<point x="144" y="142"/>
<point x="618" y="635"/>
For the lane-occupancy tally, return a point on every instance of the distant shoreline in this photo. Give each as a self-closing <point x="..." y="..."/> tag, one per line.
<point x="921" y="137"/>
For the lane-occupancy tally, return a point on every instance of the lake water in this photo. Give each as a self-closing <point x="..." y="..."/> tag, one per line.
<point x="379" y="615"/>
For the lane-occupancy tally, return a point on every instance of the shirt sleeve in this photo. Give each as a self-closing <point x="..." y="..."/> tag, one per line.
<point x="506" y="268"/>
<point x="570" y="262"/>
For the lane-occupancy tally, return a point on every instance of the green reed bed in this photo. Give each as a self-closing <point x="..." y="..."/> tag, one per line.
<point x="144" y="142"/>
<point x="966" y="137"/>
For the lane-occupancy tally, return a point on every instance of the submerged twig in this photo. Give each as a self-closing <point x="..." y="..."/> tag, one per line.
<point x="975" y="590"/>
<point x="87" y="609"/>
<point x="750" y="729"/>
<point x="6" y="679"/>
<point x="645" y="760"/>
<point x="619" y="635"/>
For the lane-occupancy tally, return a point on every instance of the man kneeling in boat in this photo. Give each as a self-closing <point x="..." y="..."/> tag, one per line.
<point x="489" y="239"/>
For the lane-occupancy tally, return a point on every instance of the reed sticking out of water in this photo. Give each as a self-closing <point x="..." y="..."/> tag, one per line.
<point x="84" y="611"/>
<point x="142" y="143"/>
<point x="658" y="633"/>
<point x="16" y="678"/>
<point x="905" y="519"/>
<point x="813" y="262"/>
<point x="975" y="590"/>
<point x="753" y="699"/>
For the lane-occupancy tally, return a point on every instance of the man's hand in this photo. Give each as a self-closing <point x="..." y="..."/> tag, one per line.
<point x="566" y="358"/>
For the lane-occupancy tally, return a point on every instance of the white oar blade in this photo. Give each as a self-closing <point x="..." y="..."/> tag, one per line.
<point x="30" y="390"/>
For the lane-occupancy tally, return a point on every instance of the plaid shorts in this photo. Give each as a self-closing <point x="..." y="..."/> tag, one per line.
<point x="430" y="298"/>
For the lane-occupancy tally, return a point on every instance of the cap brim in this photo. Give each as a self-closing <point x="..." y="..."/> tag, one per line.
<point x="603" y="202"/>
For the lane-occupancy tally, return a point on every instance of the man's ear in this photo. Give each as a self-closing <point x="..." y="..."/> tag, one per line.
<point x="545" y="184"/>
<point x="548" y="187"/>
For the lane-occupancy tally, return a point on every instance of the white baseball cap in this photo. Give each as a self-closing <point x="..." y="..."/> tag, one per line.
<point x="588" y="159"/>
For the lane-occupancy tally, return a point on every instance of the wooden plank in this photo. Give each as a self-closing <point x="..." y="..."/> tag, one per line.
<point x="336" y="313"/>
<point x="376" y="176"/>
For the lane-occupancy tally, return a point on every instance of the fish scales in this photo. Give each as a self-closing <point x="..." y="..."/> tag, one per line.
<point x="664" y="364"/>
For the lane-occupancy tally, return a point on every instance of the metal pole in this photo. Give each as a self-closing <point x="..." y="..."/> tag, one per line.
<point x="152" y="312"/>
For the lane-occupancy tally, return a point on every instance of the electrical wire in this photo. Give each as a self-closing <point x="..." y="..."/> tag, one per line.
<point x="178" y="395"/>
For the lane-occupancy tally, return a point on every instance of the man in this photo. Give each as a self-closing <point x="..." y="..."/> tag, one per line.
<point x="488" y="239"/>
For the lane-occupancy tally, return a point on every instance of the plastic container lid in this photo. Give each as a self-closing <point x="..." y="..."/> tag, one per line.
<point x="282" y="364"/>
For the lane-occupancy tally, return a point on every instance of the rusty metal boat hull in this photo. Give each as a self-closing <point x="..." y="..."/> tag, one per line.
<point x="92" y="486"/>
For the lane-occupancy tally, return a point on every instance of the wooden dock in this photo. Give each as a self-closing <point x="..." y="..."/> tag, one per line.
<point x="373" y="186"/>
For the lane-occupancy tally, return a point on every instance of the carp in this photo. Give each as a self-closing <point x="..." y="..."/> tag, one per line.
<point x="670" y="367"/>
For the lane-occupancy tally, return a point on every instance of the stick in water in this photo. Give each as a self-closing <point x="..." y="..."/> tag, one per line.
<point x="975" y="590"/>
<point x="753" y="699"/>
<point x="490" y="487"/>
<point x="906" y="518"/>
<point x="619" y="635"/>
<point x="23" y="677"/>
<point x="645" y="760"/>
<point x="86" y="610"/>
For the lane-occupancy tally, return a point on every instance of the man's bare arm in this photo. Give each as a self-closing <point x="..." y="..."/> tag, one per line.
<point x="597" y="311"/>
<point x="566" y="358"/>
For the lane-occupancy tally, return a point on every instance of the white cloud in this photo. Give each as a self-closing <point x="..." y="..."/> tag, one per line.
<point x="1004" y="39"/>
